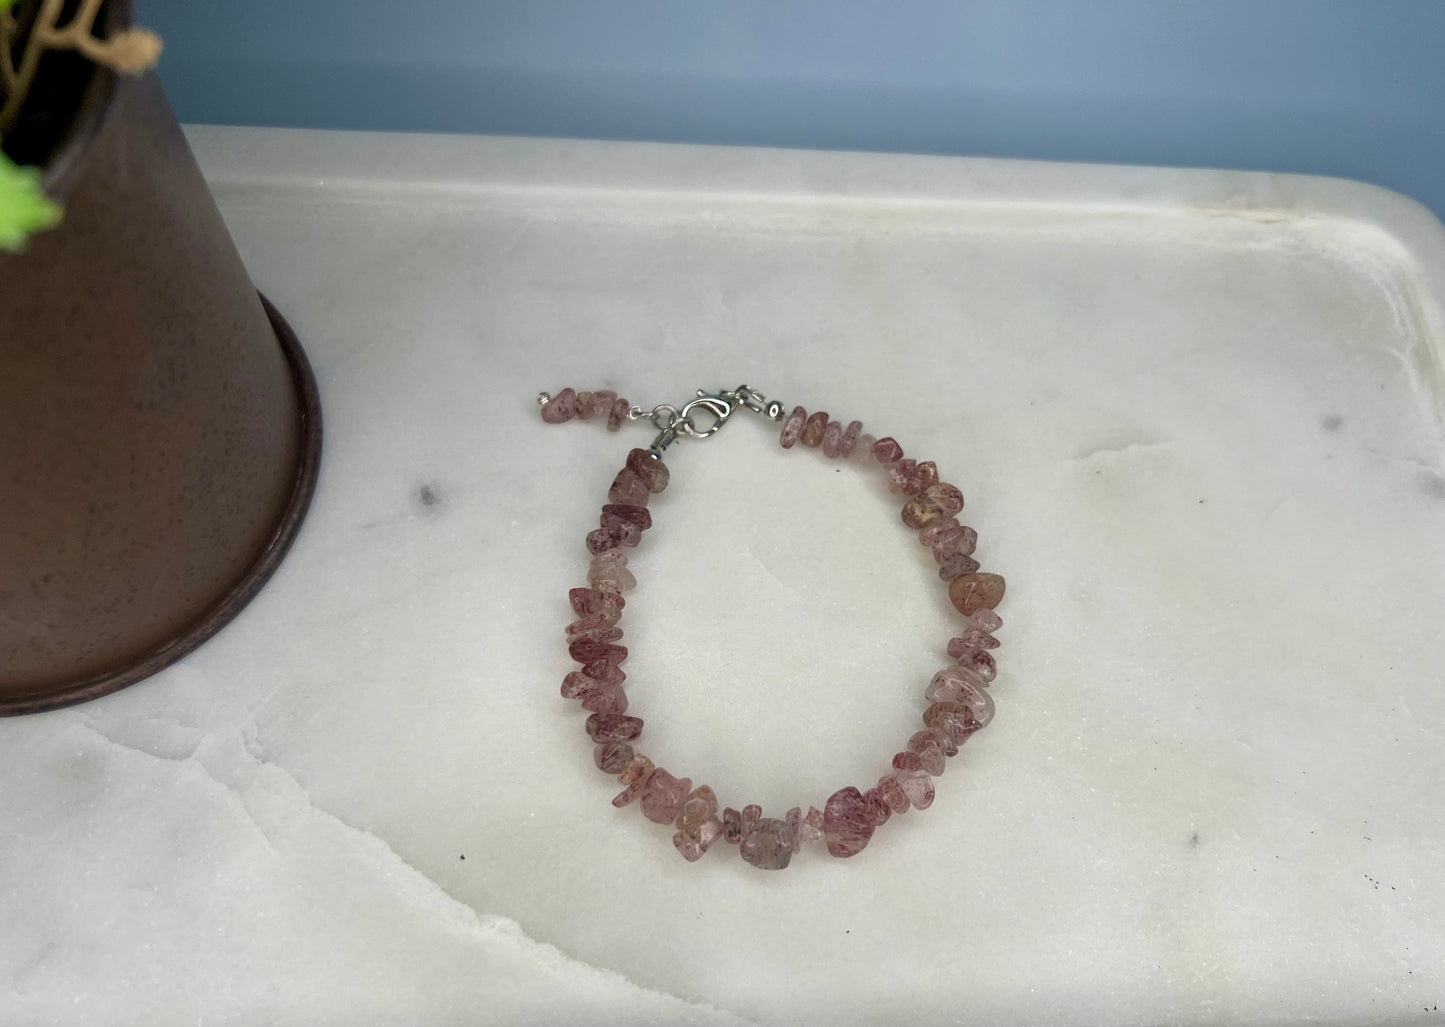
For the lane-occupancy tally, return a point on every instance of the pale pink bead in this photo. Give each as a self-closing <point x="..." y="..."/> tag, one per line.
<point x="752" y="813"/>
<point x="893" y="793"/>
<point x="625" y="523"/>
<point x="958" y="719"/>
<point x="586" y="650"/>
<point x="586" y="626"/>
<point x="628" y="488"/>
<point x="922" y="739"/>
<point x="561" y="407"/>
<point x="793" y="427"/>
<point x="929" y="752"/>
<point x="794" y="820"/>
<point x="709" y="831"/>
<point x="971" y="593"/>
<point x="587" y="601"/>
<point x="878" y="807"/>
<point x="847" y="822"/>
<point x="917" y="786"/>
<point x="863" y="451"/>
<point x="932" y="535"/>
<point x="810" y="829"/>
<point x="617" y="416"/>
<point x="692" y="844"/>
<point x="606" y="671"/>
<point x="951" y="683"/>
<point x="832" y="439"/>
<point x="813" y="428"/>
<point x="900" y="477"/>
<point x="766" y="846"/>
<point x="850" y="438"/>
<point x="957" y="540"/>
<point x="925" y="476"/>
<point x="602" y="400"/>
<point x="584" y="406"/>
<point x="980" y="662"/>
<point x="605" y="698"/>
<point x="575" y="683"/>
<point x="956" y="566"/>
<point x="973" y="639"/>
<point x="907" y="760"/>
<point x="987" y="619"/>
<point x="634" y="777"/>
<point x="701" y="803"/>
<point x="611" y="757"/>
<point x="650" y="469"/>
<point x="887" y="451"/>
<point x="613" y="727"/>
<point x="610" y="574"/>
<point x="593" y="629"/>
<point x="732" y="826"/>
<point x="663" y="796"/>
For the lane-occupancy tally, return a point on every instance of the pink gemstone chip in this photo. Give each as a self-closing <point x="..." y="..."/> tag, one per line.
<point x="605" y="698"/>
<point x="792" y="427"/>
<point x="575" y="684"/>
<point x="954" y="718"/>
<point x="613" y="727"/>
<point x="813" y="430"/>
<point x="663" y="796"/>
<point x="732" y="826"/>
<point x="561" y="407"/>
<point x="585" y="650"/>
<point x="863" y="451"/>
<point x="811" y="828"/>
<point x="887" y="451"/>
<point x="628" y="488"/>
<point x="900" y="477"/>
<point x="652" y="471"/>
<point x="617" y="415"/>
<point x="917" y="786"/>
<point x="847" y="822"/>
<point x="634" y="777"/>
<point x="970" y="593"/>
<point x="878" y="807"/>
<point x="609" y="573"/>
<point x="605" y="671"/>
<point x="972" y="640"/>
<point x="768" y="846"/>
<point x="956" y="566"/>
<point x="587" y="601"/>
<point x="850" y="438"/>
<point x="893" y="794"/>
<point x="611" y="757"/>
<point x="832" y="439"/>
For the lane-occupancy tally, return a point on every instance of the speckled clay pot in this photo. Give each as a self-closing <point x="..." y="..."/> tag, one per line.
<point x="159" y="431"/>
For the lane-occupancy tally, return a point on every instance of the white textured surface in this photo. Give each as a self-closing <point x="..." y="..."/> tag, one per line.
<point x="1196" y="419"/>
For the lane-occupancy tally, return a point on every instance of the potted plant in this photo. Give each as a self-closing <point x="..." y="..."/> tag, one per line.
<point x="159" y="424"/>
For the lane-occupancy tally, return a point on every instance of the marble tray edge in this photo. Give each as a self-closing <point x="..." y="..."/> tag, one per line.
<point x="1400" y="235"/>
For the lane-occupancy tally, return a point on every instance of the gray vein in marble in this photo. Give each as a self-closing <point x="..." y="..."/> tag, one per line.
<point x="471" y="920"/>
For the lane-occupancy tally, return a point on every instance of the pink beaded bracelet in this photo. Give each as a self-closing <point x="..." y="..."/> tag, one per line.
<point x="958" y="694"/>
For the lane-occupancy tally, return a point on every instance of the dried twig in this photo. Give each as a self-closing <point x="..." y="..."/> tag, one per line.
<point x="130" y="51"/>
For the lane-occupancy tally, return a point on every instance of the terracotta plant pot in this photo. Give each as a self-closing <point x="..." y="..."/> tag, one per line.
<point x="160" y="431"/>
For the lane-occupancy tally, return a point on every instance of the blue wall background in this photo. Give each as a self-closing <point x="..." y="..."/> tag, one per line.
<point x="1335" y="87"/>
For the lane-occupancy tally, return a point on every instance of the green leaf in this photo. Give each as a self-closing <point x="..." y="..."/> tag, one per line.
<point x="6" y="5"/>
<point x="24" y="207"/>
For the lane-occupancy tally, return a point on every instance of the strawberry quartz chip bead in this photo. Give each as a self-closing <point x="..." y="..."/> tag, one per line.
<point x="956" y="702"/>
<point x="970" y="593"/>
<point x="847" y="823"/>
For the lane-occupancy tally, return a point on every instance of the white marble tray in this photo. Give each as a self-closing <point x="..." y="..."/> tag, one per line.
<point x="1196" y="416"/>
